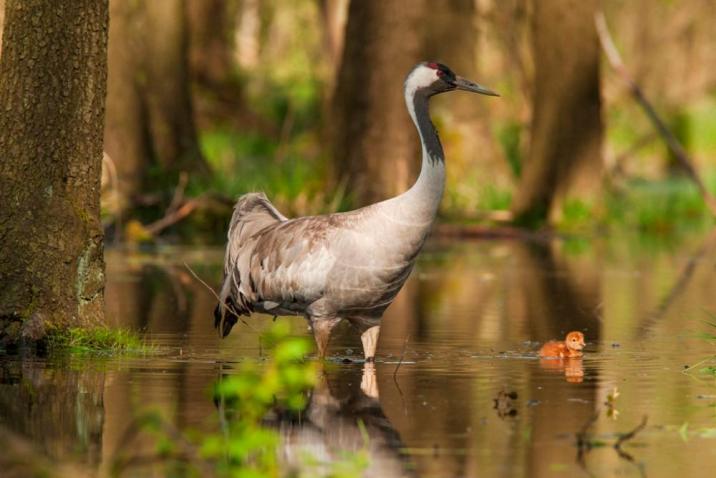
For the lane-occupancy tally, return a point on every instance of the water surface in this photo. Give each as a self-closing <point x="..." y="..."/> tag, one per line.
<point x="466" y="328"/>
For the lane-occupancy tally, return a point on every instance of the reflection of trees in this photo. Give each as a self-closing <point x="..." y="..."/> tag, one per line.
<point x="500" y="294"/>
<point x="161" y="299"/>
<point x="61" y="410"/>
<point x="559" y="296"/>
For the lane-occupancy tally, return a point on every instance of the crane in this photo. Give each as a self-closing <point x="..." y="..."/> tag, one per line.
<point x="341" y="266"/>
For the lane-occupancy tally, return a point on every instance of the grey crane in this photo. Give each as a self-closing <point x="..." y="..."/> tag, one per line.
<point x="338" y="266"/>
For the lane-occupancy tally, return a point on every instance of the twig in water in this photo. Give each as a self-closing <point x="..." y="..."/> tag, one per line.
<point x="395" y="374"/>
<point x="584" y="441"/>
<point x="672" y="142"/>
<point x="402" y="356"/>
<point x="629" y="435"/>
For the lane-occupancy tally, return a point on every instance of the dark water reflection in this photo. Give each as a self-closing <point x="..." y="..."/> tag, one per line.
<point x="470" y="398"/>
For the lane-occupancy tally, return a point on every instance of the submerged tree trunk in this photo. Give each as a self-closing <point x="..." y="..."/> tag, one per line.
<point x="374" y="143"/>
<point x="53" y="70"/>
<point x="149" y="108"/>
<point x="564" y="160"/>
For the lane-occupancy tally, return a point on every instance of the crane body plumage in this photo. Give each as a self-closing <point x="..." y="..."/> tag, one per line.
<point x="337" y="266"/>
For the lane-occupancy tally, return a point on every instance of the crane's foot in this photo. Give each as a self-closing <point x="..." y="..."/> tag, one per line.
<point x="370" y="342"/>
<point x="322" y="329"/>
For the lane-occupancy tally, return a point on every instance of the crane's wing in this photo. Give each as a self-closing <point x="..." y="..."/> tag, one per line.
<point x="253" y="212"/>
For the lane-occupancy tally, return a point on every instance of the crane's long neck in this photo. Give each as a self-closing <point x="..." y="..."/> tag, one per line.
<point x="423" y="199"/>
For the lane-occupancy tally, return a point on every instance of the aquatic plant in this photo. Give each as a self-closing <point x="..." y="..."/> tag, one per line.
<point x="98" y="340"/>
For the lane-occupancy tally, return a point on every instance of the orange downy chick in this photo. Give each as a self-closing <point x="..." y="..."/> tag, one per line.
<point x="571" y="346"/>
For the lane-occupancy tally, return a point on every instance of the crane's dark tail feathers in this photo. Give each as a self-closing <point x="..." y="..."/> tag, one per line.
<point x="225" y="317"/>
<point x="252" y="213"/>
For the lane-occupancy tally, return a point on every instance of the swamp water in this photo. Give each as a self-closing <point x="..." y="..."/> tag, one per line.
<point x="470" y="397"/>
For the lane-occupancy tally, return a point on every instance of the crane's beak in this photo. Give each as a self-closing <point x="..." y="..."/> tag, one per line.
<point x="467" y="85"/>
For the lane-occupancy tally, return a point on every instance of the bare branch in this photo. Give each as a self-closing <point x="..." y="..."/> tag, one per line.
<point x="672" y="142"/>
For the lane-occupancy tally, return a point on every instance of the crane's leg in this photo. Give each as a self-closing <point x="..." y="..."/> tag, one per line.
<point x="369" y="337"/>
<point x="322" y="329"/>
<point x="369" y="328"/>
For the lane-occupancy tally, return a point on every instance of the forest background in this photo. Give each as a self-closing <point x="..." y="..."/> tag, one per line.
<point x="209" y="99"/>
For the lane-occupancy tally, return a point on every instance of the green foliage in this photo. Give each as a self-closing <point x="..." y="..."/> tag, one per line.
<point x="291" y="172"/>
<point x="509" y="137"/>
<point x="658" y="206"/>
<point x="576" y="215"/>
<point x="243" y="446"/>
<point x="97" y="341"/>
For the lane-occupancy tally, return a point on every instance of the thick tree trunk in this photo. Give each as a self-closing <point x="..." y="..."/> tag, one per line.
<point x="217" y="87"/>
<point x="2" y="21"/>
<point x="211" y="26"/>
<point x="564" y="160"/>
<point x="52" y="93"/>
<point x="149" y="107"/>
<point x="375" y="145"/>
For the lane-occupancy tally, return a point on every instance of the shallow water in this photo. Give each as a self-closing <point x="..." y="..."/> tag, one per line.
<point x="465" y="328"/>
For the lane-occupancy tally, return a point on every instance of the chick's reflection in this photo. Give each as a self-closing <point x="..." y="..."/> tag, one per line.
<point x="343" y="417"/>
<point x="572" y="367"/>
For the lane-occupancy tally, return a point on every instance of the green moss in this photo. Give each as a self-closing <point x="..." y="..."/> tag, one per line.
<point x="98" y="340"/>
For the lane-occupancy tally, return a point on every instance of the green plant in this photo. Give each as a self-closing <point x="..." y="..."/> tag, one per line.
<point x="97" y="340"/>
<point x="243" y="446"/>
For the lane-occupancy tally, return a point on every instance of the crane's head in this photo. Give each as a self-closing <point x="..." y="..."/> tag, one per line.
<point x="574" y="340"/>
<point x="431" y="78"/>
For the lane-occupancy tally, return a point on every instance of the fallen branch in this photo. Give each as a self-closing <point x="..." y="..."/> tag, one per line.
<point x="173" y="217"/>
<point x="176" y="212"/>
<point x="615" y="60"/>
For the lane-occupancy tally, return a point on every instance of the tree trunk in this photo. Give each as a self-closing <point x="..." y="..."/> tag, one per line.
<point x="2" y="21"/>
<point x="375" y="146"/>
<point x="564" y="160"/>
<point x="211" y="26"/>
<point x="217" y="87"/>
<point x="54" y="71"/>
<point x="149" y="107"/>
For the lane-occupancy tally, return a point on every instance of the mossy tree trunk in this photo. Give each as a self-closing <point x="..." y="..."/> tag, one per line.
<point x="2" y="21"/>
<point x="53" y="74"/>
<point x="149" y="108"/>
<point x="564" y="161"/>
<point x="375" y="146"/>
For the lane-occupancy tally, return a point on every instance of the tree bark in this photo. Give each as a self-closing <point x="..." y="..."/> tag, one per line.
<point x="2" y="21"/>
<point x="149" y="107"/>
<point x="564" y="160"/>
<point x="52" y="98"/>
<point x="375" y="146"/>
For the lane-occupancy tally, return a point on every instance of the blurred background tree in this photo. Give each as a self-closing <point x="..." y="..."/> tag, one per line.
<point x="564" y="161"/>
<point x="303" y="100"/>
<point x="150" y="134"/>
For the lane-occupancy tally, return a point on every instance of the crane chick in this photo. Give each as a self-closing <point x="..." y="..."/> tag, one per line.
<point x="571" y="346"/>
